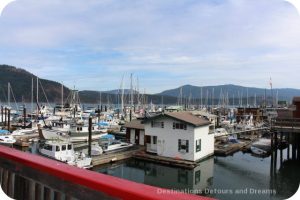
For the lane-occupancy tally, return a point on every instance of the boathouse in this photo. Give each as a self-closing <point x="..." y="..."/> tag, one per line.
<point x="135" y="132"/>
<point x="179" y="135"/>
<point x="296" y="102"/>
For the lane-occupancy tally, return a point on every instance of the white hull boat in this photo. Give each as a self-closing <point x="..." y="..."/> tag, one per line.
<point x="64" y="152"/>
<point x="6" y="138"/>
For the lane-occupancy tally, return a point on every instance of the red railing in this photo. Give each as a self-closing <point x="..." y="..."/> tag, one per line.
<point x="112" y="186"/>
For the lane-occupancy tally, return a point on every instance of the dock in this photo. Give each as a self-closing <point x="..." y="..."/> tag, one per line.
<point x="229" y="149"/>
<point x="165" y="160"/>
<point x="116" y="156"/>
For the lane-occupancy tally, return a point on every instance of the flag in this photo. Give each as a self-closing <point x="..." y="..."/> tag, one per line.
<point x="271" y="82"/>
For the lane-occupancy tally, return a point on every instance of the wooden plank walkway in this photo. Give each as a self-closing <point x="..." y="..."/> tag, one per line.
<point x="166" y="160"/>
<point x="230" y="149"/>
<point x="116" y="156"/>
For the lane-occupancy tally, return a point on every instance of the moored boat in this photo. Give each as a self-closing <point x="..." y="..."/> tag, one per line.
<point x="64" y="152"/>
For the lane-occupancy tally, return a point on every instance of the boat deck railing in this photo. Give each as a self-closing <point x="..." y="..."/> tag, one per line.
<point x="28" y="176"/>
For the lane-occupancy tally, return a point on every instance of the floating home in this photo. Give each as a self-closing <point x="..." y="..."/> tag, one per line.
<point x="179" y="135"/>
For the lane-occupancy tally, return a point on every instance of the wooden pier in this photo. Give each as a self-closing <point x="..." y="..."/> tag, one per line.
<point x="229" y="149"/>
<point x="116" y="156"/>
<point x="165" y="160"/>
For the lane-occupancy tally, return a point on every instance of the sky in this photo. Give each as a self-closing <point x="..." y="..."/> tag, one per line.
<point x="92" y="44"/>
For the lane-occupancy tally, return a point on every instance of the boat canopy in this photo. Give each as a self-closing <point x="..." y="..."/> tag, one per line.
<point x="4" y="131"/>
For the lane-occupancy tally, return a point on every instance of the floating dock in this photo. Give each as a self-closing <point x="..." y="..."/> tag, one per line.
<point x="116" y="156"/>
<point x="231" y="148"/>
<point x="165" y="160"/>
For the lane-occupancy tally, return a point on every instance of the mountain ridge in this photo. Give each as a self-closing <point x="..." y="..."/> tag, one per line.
<point x="21" y="81"/>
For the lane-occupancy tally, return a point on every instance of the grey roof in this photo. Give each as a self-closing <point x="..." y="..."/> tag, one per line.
<point x="184" y="117"/>
<point x="296" y="99"/>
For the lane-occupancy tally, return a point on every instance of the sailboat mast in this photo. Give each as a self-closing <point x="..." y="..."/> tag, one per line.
<point x="201" y="99"/>
<point x="62" y="95"/>
<point x="131" y="91"/>
<point x="247" y="98"/>
<point x="37" y="89"/>
<point x="8" y="94"/>
<point x="31" y="98"/>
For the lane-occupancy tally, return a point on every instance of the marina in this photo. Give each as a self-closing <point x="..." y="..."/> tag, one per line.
<point x="189" y="149"/>
<point x="149" y="100"/>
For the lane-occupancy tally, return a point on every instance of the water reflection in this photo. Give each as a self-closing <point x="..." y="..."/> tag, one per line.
<point x="153" y="174"/>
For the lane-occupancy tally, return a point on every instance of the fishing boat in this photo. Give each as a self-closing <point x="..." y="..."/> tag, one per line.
<point x="64" y="152"/>
<point x="22" y="132"/>
<point x="6" y="138"/>
<point x="72" y="132"/>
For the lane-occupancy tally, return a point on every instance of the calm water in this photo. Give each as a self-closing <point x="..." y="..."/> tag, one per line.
<point x="235" y="177"/>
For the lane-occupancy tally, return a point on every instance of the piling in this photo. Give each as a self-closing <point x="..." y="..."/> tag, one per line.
<point x="5" y="116"/>
<point x="90" y="137"/>
<point x="130" y="115"/>
<point x="1" y="114"/>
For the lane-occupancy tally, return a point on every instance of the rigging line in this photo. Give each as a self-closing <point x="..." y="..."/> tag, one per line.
<point x="44" y="94"/>
<point x="12" y="92"/>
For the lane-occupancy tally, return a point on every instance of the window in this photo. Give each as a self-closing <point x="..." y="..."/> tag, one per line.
<point x="63" y="147"/>
<point x="154" y="139"/>
<point x="157" y="124"/>
<point x="57" y="148"/>
<point x="179" y="126"/>
<point x="148" y="139"/>
<point x="79" y="128"/>
<point x="198" y="145"/>
<point x="69" y="146"/>
<point x="197" y="177"/>
<point x="182" y="176"/>
<point x="183" y="145"/>
<point x="48" y="147"/>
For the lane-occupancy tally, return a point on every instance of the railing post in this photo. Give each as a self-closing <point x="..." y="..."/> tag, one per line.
<point x="47" y="193"/>
<point x="38" y="191"/>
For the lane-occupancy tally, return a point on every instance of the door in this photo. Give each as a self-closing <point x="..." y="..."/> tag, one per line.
<point x="137" y="136"/>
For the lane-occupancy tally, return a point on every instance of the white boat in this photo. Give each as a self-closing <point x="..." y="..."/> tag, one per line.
<point x="72" y="132"/>
<point x="109" y="144"/>
<point x="96" y="150"/>
<point x="64" y="152"/>
<point x="6" y="138"/>
<point x="220" y="132"/>
<point x="116" y="145"/>
<point x="258" y="151"/>
<point x="261" y="147"/>
<point x="21" y="132"/>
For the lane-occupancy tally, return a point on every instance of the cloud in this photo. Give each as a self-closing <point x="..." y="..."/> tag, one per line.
<point x="167" y="43"/>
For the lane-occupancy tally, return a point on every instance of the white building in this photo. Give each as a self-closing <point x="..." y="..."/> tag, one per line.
<point x="179" y="135"/>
